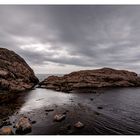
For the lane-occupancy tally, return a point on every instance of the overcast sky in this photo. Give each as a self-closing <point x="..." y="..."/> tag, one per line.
<point x="61" y="39"/>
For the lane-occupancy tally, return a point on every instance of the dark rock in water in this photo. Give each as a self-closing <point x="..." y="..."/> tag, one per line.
<point x="49" y="110"/>
<point x="23" y="126"/>
<point x="68" y="127"/>
<point x="6" y="131"/>
<point x="65" y="129"/>
<point x="40" y="99"/>
<point x="15" y="73"/>
<point x="5" y="119"/>
<point x="100" y="107"/>
<point x="33" y="122"/>
<point x="91" y="99"/>
<point x="97" y="113"/>
<point x="14" y="126"/>
<point x="6" y="123"/>
<point x="86" y="79"/>
<point x="79" y="125"/>
<point x="65" y="112"/>
<point x="59" y="117"/>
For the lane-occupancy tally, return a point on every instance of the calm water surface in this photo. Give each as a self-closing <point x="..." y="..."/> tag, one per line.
<point x="119" y="111"/>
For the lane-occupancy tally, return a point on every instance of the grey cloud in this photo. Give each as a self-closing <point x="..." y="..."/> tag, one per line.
<point x="87" y="36"/>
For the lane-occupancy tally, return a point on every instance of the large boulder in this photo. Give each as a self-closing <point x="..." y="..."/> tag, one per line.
<point x="105" y="77"/>
<point x="23" y="126"/>
<point x="6" y="131"/>
<point x="15" y="73"/>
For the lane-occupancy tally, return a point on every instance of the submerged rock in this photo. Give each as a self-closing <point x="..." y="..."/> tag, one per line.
<point x="33" y="122"/>
<point x="23" y="126"/>
<point x="59" y="117"/>
<point x="97" y="113"/>
<point x="86" y="79"/>
<point x="91" y="99"/>
<point x="65" y="112"/>
<point x="6" y="123"/>
<point x="15" y="73"/>
<point x="79" y="125"/>
<point x="100" y="107"/>
<point x="6" y="131"/>
<point x="49" y="110"/>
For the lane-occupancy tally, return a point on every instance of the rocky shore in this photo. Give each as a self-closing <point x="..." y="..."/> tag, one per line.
<point x="57" y="112"/>
<point x="15" y="73"/>
<point x="105" y="77"/>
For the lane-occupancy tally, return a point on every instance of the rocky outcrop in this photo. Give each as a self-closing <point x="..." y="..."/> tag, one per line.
<point x="105" y="77"/>
<point x="15" y="74"/>
<point x="23" y="126"/>
<point x="6" y="131"/>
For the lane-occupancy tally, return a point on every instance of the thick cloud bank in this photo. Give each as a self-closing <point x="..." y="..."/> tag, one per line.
<point x="61" y="39"/>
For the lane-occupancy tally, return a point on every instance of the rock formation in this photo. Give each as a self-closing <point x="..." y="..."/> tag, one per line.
<point x="78" y="125"/>
<point x="6" y="131"/>
<point x="15" y="74"/>
<point x="23" y="126"/>
<point x="105" y="77"/>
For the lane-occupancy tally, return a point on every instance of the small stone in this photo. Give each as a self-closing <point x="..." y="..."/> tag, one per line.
<point x="49" y="110"/>
<point x="23" y="126"/>
<point x="59" y="117"/>
<point x="79" y="125"/>
<point x="33" y="122"/>
<point x="6" y="131"/>
<point x="66" y="112"/>
<point x="5" y="119"/>
<point x="94" y="92"/>
<point x="70" y="132"/>
<point x="100" y="107"/>
<point x="91" y="99"/>
<point x="14" y="126"/>
<point x="6" y="123"/>
<point x="97" y="113"/>
<point x="68" y="127"/>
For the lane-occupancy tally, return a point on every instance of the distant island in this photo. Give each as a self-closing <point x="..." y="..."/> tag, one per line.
<point x="105" y="77"/>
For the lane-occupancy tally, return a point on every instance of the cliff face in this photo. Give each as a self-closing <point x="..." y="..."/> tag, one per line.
<point x="15" y="74"/>
<point x="105" y="77"/>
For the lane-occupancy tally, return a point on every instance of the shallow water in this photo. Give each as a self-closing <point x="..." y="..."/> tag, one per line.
<point x="109" y="111"/>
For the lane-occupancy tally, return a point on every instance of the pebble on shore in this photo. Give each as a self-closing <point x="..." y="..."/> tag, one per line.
<point x="59" y="117"/>
<point x="23" y="126"/>
<point x="6" y="131"/>
<point x="79" y="125"/>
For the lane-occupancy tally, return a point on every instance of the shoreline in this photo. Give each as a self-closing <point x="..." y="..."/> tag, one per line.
<point x="99" y="113"/>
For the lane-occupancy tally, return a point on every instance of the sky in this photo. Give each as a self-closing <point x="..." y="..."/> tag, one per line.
<point x="61" y="39"/>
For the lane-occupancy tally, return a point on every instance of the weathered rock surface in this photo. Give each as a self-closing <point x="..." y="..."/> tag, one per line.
<point x="79" y="125"/>
<point x="105" y="77"/>
<point x="59" y="117"/>
<point x="6" y="131"/>
<point x="23" y="126"/>
<point x="15" y="74"/>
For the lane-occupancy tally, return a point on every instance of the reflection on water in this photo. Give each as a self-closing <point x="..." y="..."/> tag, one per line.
<point x="42" y="97"/>
<point x="120" y="113"/>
